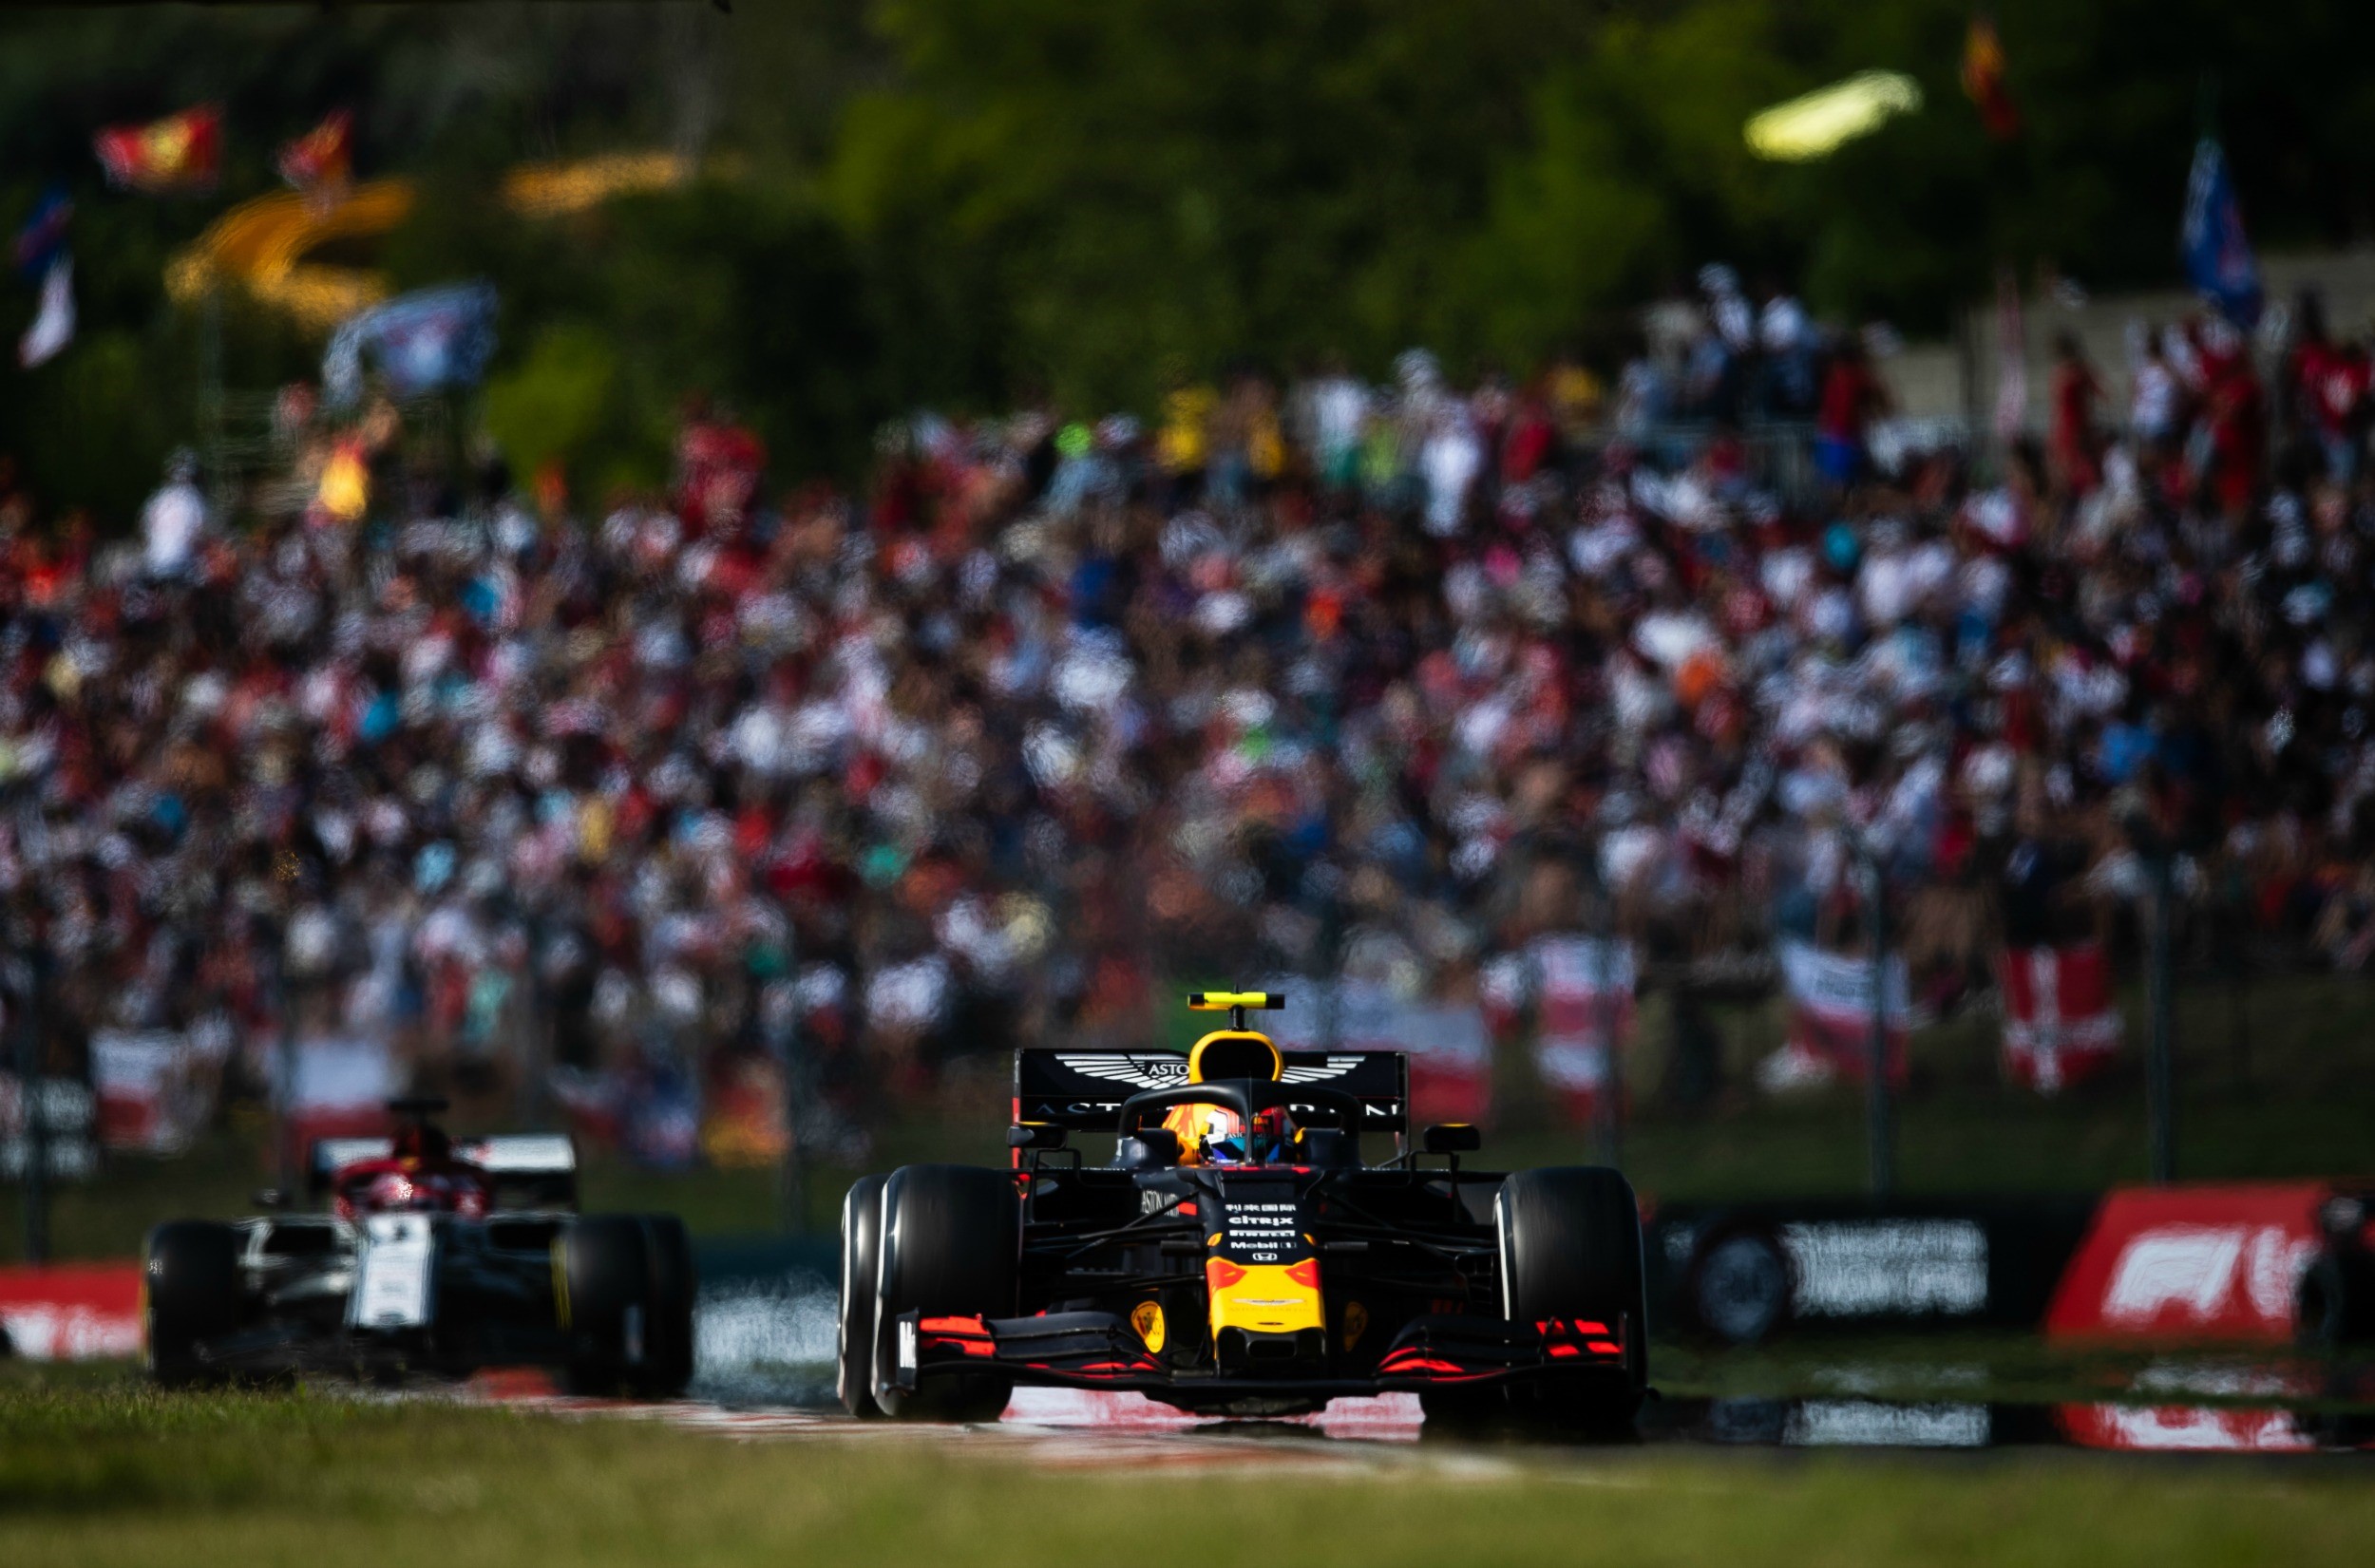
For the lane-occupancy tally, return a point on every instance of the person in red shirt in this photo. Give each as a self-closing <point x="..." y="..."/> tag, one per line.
<point x="1853" y="397"/>
<point x="2071" y="452"/>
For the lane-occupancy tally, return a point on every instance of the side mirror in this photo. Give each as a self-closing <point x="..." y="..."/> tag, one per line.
<point x="1034" y="1135"/>
<point x="269" y="1198"/>
<point x="1148" y="1149"/>
<point x="1452" y="1138"/>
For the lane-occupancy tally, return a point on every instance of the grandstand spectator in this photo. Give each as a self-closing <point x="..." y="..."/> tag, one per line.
<point x="1300" y="680"/>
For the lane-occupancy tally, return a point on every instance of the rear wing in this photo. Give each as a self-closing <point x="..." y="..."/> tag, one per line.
<point x="1083" y="1090"/>
<point x="531" y="1170"/>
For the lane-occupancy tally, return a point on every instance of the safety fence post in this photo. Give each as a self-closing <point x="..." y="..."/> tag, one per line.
<point x="1879" y="1104"/>
<point x="2160" y="1088"/>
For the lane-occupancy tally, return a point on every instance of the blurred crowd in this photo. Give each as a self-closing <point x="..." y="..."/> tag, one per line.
<point x="1327" y="676"/>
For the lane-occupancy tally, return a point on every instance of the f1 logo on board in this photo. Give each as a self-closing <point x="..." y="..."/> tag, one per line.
<point x="2195" y="1271"/>
<point x="2190" y="1262"/>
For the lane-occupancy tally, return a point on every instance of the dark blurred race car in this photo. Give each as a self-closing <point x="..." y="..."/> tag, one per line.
<point x="431" y="1257"/>
<point x="1239" y="1256"/>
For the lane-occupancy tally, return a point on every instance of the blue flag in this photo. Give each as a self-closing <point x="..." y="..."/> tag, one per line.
<point x="43" y="237"/>
<point x="2217" y="257"/>
<point x="418" y="342"/>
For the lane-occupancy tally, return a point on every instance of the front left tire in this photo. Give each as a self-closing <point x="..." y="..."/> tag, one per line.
<point x="1570" y="1247"/>
<point x="190" y="1293"/>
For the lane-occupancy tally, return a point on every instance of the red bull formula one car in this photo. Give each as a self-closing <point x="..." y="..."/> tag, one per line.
<point x="1266" y="1238"/>
<point x="432" y="1256"/>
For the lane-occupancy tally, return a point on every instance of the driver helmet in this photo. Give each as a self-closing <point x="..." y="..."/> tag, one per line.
<point x="1214" y="1135"/>
<point x="390" y="1190"/>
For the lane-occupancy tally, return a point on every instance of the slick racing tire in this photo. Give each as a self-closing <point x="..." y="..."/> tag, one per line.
<point x="1570" y="1247"/>
<point x="860" y="1256"/>
<point x="676" y="1284"/>
<point x="190" y="1294"/>
<point x="625" y="1305"/>
<point x="951" y="1242"/>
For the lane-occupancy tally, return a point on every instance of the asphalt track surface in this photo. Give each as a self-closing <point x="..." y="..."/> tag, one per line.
<point x="765" y="1375"/>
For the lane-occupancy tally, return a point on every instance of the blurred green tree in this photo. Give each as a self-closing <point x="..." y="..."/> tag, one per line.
<point x="967" y="202"/>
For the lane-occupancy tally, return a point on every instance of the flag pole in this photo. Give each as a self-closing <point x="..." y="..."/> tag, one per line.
<point x="1879" y="1107"/>
<point x="1611" y="1101"/>
<point x="210" y="400"/>
<point x="2162" y="1079"/>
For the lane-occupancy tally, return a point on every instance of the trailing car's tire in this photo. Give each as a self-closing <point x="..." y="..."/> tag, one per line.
<point x="667" y="1326"/>
<point x="951" y="1242"/>
<point x="861" y="1259"/>
<point x="1737" y="1288"/>
<point x="1570" y="1247"/>
<point x="190" y="1293"/>
<point x="605" y="1303"/>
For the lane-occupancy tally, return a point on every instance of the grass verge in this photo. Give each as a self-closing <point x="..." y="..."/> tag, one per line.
<point x="96" y="1469"/>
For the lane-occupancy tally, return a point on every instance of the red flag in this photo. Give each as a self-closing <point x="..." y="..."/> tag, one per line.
<point x="179" y="152"/>
<point x="323" y="157"/>
<point x="1982" y="80"/>
<point x="2059" y="1027"/>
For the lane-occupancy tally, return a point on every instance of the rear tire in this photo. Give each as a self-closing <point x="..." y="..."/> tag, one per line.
<point x="861" y="1260"/>
<point x="191" y="1294"/>
<point x="1571" y="1248"/>
<point x="951" y="1243"/>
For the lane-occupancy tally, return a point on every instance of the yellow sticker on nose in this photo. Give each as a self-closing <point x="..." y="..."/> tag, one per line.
<point x="1147" y="1317"/>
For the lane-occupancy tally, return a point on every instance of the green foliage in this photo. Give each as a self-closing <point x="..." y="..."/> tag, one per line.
<point x="554" y="405"/>
<point x="967" y="202"/>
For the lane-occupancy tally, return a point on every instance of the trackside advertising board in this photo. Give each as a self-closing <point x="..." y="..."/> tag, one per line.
<point x="2192" y="1262"/>
<point x="71" y="1312"/>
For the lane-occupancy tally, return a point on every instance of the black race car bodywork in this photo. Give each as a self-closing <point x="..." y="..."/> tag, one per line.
<point x="1264" y="1286"/>
<point x="605" y="1300"/>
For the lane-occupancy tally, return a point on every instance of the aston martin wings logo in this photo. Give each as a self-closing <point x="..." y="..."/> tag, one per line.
<point x="1161" y="1071"/>
<point x="1334" y="1066"/>
<point x="1151" y="1072"/>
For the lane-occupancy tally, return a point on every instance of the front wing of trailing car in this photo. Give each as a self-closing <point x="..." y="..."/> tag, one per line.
<point x="1093" y="1350"/>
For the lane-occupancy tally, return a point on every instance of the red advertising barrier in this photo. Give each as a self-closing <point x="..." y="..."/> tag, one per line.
<point x="71" y="1312"/>
<point x="2190" y="1262"/>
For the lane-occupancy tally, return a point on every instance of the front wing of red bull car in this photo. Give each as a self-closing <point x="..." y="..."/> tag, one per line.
<point x="1242" y="1254"/>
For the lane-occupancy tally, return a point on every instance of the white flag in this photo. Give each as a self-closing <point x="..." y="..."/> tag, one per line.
<point x="54" y="325"/>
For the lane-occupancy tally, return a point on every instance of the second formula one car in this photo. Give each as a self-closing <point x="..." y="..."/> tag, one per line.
<point x="432" y="1256"/>
<point x="1267" y="1236"/>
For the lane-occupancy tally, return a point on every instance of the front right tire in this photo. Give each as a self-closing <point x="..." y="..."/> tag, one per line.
<point x="627" y="1294"/>
<point x="951" y="1245"/>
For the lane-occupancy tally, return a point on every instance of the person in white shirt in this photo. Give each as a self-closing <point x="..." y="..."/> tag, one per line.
<point x="174" y="519"/>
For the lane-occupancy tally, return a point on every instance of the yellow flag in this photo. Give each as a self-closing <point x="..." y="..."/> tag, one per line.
<point x="1817" y="124"/>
